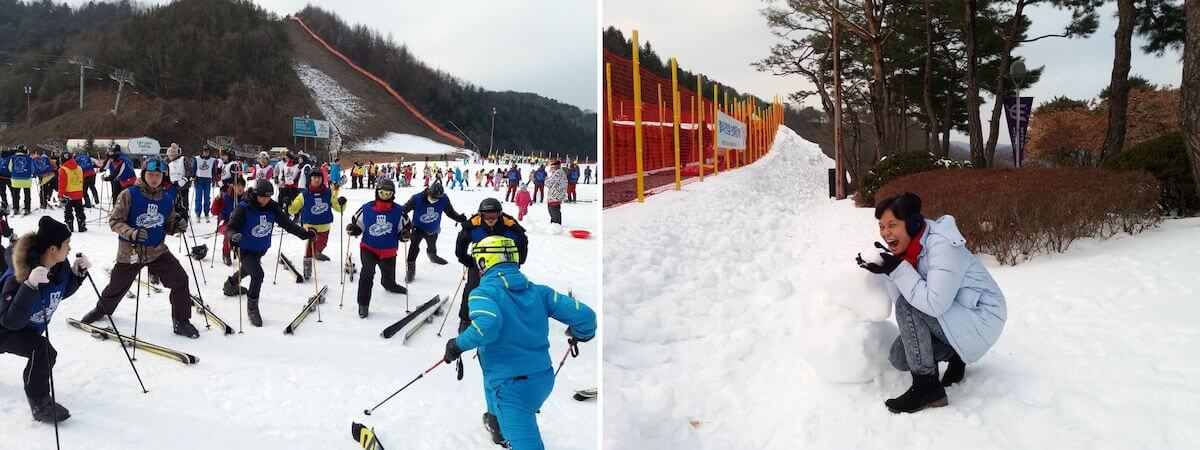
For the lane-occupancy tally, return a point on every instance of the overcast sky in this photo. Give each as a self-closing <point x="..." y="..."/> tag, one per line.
<point x="721" y="38"/>
<point x="548" y="47"/>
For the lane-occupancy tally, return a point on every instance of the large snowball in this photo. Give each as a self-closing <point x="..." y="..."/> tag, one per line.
<point x="844" y="349"/>
<point x="863" y="293"/>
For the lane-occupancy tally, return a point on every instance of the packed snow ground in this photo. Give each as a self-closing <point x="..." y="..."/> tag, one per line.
<point x="264" y="389"/>
<point x="339" y="106"/>
<point x="393" y="142"/>
<point x="715" y="298"/>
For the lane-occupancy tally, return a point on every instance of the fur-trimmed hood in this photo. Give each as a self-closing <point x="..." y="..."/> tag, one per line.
<point x="18" y="256"/>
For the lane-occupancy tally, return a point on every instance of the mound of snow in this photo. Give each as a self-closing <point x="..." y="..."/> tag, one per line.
<point x="863" y="293"/>
<point x="404" y="143"/>
<point x="844" y="348"/>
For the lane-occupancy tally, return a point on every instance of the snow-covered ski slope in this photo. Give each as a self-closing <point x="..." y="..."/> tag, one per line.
<point x="711" y="295"/>
<point x="264" y="389"/>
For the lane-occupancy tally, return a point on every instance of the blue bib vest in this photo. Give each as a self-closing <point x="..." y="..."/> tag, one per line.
<point x="22" y="166"/>
<point x="49" y="296"/>
<point x="428" y="216"/>
<point x="257" y="229"/>
<point x="85" y="162"/>
<point x="41" y="166"/>
<point x="150" y="215"/>
<point x="381" y="228"/>
<point x="317" y="209"/>
<point x="4" y="173"/>
<point x="228" y="208"/>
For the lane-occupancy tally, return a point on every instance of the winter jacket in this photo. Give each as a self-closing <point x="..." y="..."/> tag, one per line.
<point x="121" y="171"/>
<point x="249" y="207"/>
<point x="556" y="187"/>
<point x="573" y="175"/>
<point x="118" y="221"/>
<point x="20" y="167"/>
<point x="335" y="173"/>
<point x="523" y="200"/>
<point x="514" y="175"/>
<point x="22" y="306"/>
<point x="86" y="163"/>
<point x="539" y="176"/>
<point x="475" y="229"/>
<point x="510" y="326"/>
<point x="326" y="218"/>
<point x="949" y="283"/>
<point x="70" y="180"/>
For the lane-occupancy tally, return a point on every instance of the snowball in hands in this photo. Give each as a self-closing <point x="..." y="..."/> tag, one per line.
<point x="870" y="254"/>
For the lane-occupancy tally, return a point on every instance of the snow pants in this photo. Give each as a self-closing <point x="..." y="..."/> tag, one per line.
<point x="555" y="213"/>
<point x="203" y="201"/>
<point x="320" y="242"/>
<point x="515" y="402"/>
<point x="571" y="192"/>
<point x="16" y="199"/>
<point x="30" y="343"/>
<point x="89" y="186"/>
<point x="366" y="277"/>
<point x="250" y="265"/>
<point x="511" y="194"/>
<point x="539" y="189"/>
<point x="5" y="184"/>
<point x="72" y="210"/>
<point x="415" y="243"/>
<point x="166" y="268"/>
<point x="921" y="343"/>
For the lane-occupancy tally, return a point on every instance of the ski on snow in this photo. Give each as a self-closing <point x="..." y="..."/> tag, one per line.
<point x="394" y="328"/>
<point x="365" y="437"/>
<point x="291" y="268"/>
<point x="587" y="394"/>
<point x="427" y="318"/>
<point x="109" y="334"/>
<point x="309" y="306"/>
<point x="212" y="317"/>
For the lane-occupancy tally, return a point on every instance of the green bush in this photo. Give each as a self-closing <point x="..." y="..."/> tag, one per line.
<point x="1166" y="158"/>
<point x="894" y="167"/>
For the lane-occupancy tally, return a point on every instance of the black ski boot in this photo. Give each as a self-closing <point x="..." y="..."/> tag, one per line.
<point x="45" y="410"/>
<point x="92" y="316"/>
<point x="955" y="371"/>
<point x="492" y="425"/>
<point x="155" y="280"/>
<point x="437" y="259"/>
<point x="926" y="392"/>
<point x="82" y="226"/>
<point x="252" y="312"/>
<point x="230" y="288"/>
<point x="322" y="257"/>
<point x="185" y="329"/>
<point x="411" y="272"/>
<point x="362" y="311"/>
<point x="225" y="258"/>
<point x="308" y="262"/>
<point x="71" y="227"/>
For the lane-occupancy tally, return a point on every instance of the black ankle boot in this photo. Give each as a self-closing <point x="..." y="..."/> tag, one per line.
<point x="955" y="371"/>
<point x="926" y="392"/>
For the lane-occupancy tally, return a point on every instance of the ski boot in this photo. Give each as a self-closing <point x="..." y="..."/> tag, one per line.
<point x="252" y="312"/>
<point x="411" y="272"/>
<point x="231" y="287"/>
<point x="926" y="392"/>
<point x="955" y="372"/>
<point x="437" y="259"/>
<point x="47" y="410"/>
<point x="155" y="280"/>
<point x="71" y="227"/>
<point x="92" y="316"/>
<point x="225" y="258"/>
<point x="492" y="425"/>
<point x="322" y="257"/>
<point x="82" y="226"/>
<point x="308" y="262"/>
<point x="185" y="329"/>
<point x="362" y="311"/>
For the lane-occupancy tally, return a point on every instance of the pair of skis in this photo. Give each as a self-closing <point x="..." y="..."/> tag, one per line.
<point x="309" y="306"/>
<point x="109" y="334"/>
<point x="291" y="268"/>
<point x="421" y="316"/>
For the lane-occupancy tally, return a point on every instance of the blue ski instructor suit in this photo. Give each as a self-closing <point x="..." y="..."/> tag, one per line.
<point x="509" y="325"/>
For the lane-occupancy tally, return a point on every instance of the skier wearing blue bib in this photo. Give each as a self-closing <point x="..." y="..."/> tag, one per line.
<point x="427" y="207"/>
<point x="385" y="226"/>
<point x="250" y="230"/>
<point x="509" y="327"/>
<point x="20" y="167"/>
<point x="5" y="177"/>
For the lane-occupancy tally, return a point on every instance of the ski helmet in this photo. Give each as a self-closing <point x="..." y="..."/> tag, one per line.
<point x="490" y="204"/>
<point x="493" y="250"/>
<point x="435" y="190"/>
<point x="264" y="188"/>
<point x="263" y="155"/>
<point x="384" y="184"/>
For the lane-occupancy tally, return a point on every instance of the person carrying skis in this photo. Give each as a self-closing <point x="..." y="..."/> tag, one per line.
<point x="143" y="216"/>
<point x="205" y="167"/>
<point x="489" y="221"/>
<point x="316" y="208"/>
<point x="427" y="207"/>
<point x="539" y="183"/>
<point x="948" y="307"/>
<point x="120" y="172"/>
<point x="36" y="281"/>
<point x="70" y="187"/>
<point x="223" y="208"/>
<point x="514" y="178"/>
<point x="21" y="168"/>
<point x="509" y="327"/>
<point x="556" y="184"/>
<point x="250" y="230"/>
<point x="386" y="225"/>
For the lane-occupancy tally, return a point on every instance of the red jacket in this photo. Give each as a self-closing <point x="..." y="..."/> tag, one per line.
<point x="70" y="180"/>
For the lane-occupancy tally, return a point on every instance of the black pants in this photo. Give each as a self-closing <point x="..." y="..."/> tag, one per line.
<point x="464" y="318"/>
<point x="366" y="278"/>
<point x="116" y="190"/>
<point x="89" y="185"/>
<point x="16" y="201"/>
<point x="555" y="213"/>
<point x="30" y="343"/>
<point x="415" y="243"/>
<point x="251" y="266"/>
<point x="5" y="185"/>
<point x="47" y="190"/>
<point x="356" y="182"/>
<point x="166" y="268"/>
<point x="76" y="207"/>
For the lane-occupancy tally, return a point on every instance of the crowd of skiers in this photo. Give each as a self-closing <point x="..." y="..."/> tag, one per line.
<point x="301" y="196"/>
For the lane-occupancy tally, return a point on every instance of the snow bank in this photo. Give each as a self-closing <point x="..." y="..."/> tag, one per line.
<point x="404" y="143"/>
<point x="339" y="106"/>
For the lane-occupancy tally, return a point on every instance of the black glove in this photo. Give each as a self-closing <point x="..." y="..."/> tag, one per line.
<point x="452" y="351"/>
<point x="342" y="201"/>
<point x="106" y="178"/>
<point x="235" y="239"/>
<point x="309" y="235"/>
<point x="405" y="234"/>
<point x="181" y="224"/>
<point x="353" y="229"/>
<point x="572" y="339"/>
<point x="890" y="262"/>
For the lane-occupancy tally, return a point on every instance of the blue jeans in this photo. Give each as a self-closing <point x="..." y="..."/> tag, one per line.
<point x="203" y="196"/>
<point x="515" y="402"/>
<point x="921" y="343"/>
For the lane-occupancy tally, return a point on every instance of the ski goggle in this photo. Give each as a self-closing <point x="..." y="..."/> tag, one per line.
<point x="384" y="192"/>
<point x="156" y="165"/>
<point x="491" y="215"/>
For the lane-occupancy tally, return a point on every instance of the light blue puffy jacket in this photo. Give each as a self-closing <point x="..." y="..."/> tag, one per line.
<point x="949" y="283"/>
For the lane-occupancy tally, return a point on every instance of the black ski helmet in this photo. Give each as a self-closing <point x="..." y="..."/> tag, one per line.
<point x="435" y="190"/>
<point x="264" y="188"/>
<point x="384" y="184"/>
<point x="490" y="205"/>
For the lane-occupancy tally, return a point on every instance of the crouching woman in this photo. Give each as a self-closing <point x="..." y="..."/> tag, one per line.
<point x="948" y="307"/>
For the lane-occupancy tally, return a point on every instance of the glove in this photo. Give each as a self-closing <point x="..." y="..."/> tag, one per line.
<point x="342" y="201"/>
<point x="38" y="276"/>
<point x="309" y="235"/>
<point x="81" y="265"/>
<point x="139" y="235"/>
<point x="405" y="234"/>
<point x="890" y="262"/>
<point x="572" y="339"/>
<point x="452" y="351"/>
<point x="353" y="229"/>
<point x="181" y="224"/>
<point x="64" y="199"/>
<point x="106" y="178"/>
<point x="235" y="239"/>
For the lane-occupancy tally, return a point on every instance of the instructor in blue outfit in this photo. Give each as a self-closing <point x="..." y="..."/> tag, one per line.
<point x="509" y="327"/>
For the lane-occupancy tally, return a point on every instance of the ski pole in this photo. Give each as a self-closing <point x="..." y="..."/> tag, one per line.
<point x="193" y="230"/>
<point x="414" y="380"/>
<point x="115" y="330"/>
<point x="239" y="288"/>
<point x="199" y="293"/>
<point x="213" y="262"/>
<point x="407" y="263"/>
<point x="50" y="369"/>
<point x="573" y="350"/>
<point x="312" y="245"/>
<point x="452" y="300"/>
<point x="278" y="256"/>
<point x="137" y="299"/>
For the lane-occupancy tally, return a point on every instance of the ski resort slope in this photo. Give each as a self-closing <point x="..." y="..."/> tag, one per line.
<point x="710" y="294"/>
<point x="264" y="389"/>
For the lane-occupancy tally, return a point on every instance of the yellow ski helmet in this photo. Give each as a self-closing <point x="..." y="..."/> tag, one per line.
<point x="494" y="250"/>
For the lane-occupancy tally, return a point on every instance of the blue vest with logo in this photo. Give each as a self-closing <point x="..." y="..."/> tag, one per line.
<point x="49" y="296"/>
<point x="85" y="162"/>
<point x="148" y="214"/>
<point x="380" y="229"/>
<point x="22" y="166"/>
<point x="257" y="229"/>
<point x="317" y="210"/>
<point x="4" y="173"/>
<point x="428" y="216"/>
<point x="478" y="233"/>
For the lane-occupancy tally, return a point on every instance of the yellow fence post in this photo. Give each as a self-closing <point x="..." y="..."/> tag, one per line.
<point x="675" y="119"/>
<point x="612" y="137"/>
<point x="716" y="147"/>
<point x="700" y="123"/>
<point x="662" y="139"/>
<point x="637" y="119"/>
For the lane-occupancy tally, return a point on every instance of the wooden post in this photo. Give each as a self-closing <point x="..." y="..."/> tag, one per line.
<point x="662" y="140"/>
<point x="637" y="120"/>
<point x="700" y="124"/>
<point x="675" y="120"/>
<point x="612" y="136"/>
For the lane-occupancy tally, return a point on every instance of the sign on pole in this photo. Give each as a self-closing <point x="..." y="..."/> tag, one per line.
<point x="731" y="133"/>
<point x="303" y="127"/>
<point x="1017" y="117"/>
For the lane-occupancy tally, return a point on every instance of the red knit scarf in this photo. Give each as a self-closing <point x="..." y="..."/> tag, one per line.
<point x="914" y="249"/>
